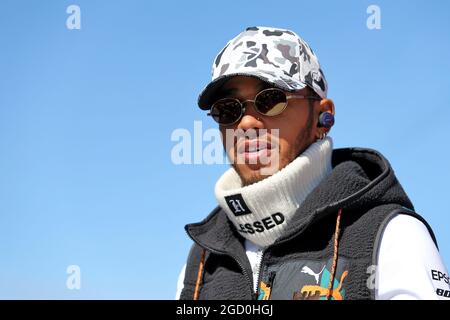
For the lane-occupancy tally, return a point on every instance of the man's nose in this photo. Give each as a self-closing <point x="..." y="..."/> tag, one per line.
<point x="251" y="119"/>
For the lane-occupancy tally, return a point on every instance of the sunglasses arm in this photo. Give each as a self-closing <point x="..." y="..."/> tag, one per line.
<point x="297" y="96"/>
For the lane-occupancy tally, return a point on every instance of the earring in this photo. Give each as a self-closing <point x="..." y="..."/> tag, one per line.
<point x="326" y="120"/>
<point x="322" y="136"/>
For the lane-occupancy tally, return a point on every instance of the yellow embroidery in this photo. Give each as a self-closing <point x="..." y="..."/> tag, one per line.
<point x="264" y="291"/>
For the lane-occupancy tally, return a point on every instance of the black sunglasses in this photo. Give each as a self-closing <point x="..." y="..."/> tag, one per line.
<point x="268" y="102"/>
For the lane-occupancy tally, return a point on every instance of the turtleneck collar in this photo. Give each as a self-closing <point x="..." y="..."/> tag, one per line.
<point x="261" y="211"/>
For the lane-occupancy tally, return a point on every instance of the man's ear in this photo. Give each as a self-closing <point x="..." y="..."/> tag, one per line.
<point x="327" y="105"/>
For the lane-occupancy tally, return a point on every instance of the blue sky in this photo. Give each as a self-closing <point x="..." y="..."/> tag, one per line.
<point x="86" y="118"/>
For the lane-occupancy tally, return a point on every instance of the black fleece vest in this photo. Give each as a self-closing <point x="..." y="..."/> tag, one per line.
<point x="299" y="265"/>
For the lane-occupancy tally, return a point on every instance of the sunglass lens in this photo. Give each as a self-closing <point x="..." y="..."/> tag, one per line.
<point x="226" y="111"/>
<point x="271" y="102"/>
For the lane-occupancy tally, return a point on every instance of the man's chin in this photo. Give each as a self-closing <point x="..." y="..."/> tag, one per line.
<point x="252" y="173"/>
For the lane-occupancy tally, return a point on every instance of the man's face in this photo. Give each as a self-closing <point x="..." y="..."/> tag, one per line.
<point x="297" y="126"/>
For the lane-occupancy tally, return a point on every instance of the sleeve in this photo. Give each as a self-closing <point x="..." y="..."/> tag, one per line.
<point x="409" y="264"/>
<point x="180" y="283"/>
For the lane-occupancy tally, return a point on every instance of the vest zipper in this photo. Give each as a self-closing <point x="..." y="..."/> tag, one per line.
<point x="235" y="258"/>
<point x="259" y="273"/>
<point x="270" y="279"/>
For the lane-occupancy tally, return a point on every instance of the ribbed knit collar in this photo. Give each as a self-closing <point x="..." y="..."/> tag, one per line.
<point x="261" y="211"/>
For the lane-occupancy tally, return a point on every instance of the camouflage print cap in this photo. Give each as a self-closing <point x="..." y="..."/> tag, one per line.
<point x="277" y="56"/>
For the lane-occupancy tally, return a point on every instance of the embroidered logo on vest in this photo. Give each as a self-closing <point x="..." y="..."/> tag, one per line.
<point x="319" y="291"/>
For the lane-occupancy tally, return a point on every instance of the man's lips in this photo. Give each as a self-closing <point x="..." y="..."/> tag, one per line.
<point x="253" y="146"/>
<point x="256" y="151"/>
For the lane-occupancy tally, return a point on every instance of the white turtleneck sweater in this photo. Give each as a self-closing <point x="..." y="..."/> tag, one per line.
<point x="407" y="255"/>
<point x="251" y="207"/>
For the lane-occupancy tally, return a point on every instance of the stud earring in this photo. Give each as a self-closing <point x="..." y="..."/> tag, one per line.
<point x="326" y="120"/>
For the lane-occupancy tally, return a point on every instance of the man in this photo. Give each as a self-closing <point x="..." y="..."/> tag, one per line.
<point x="297" y="219"/>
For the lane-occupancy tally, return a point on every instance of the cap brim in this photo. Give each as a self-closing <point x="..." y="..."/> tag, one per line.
<point x="206" y="97"/>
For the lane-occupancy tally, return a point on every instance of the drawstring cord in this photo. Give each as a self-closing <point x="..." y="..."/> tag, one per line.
<point x="335" y="254"/>
<point x="199" y="275"/>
